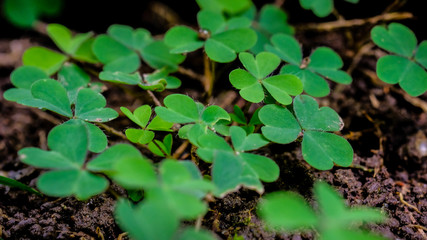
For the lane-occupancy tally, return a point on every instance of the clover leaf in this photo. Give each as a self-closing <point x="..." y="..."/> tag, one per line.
<point x="182" y="109"/>
<point x="288" y="211"/>
<point x="24" y="13"/>
<point x="73" y="78"/>
<point x="47" y="60"/>
<point x="69" y="145"/>
<point x="323" y="63"/>
<point x="231" y="7"/>
<point x="141" y="116"/>
<point x="252" y="83"/>
<point x="233" y="166"/>
<point x="320" y="148"/>
<point x="16" y="184"/>
<point x="407" y="66"/>
<point x="225" y="38"/>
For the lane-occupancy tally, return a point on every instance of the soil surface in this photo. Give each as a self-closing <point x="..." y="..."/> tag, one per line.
<point x="385" y="126"/>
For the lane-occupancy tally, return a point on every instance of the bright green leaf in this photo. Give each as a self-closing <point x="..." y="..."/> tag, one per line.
<point x="182" y="39"/>
<point x="280" y="125"/>
<point x="90" y="106"/>
<point x="25" y="76"/>
<point x="396" y="39"/>
<point x="287" y="48"/>
<point x="179" y="109"/>
<point x="421" y="55"/>
<point x="261" y="66"/>
<point x="47" y="60"/>
<point x="121" y="77"/>
<point x="282" y="86"/>
<point x="63" y="38"/>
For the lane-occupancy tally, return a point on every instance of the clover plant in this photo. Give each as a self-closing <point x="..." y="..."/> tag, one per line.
<point x="70" y="97"/>
<point x="239" y="117"/>
<point x="222" y="39"/>
<point x="322" y="63"/>
<point x="288" y="211"/>
<point x="408" y="63"/>
<point x="252" y="83"/>
<point x="321" y="8"/>
<point x="319" y="145"/>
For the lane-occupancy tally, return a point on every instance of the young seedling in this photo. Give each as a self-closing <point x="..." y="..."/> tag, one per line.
<point x="176" y="197"/>
<point x="25" y="13"/>
<point x="142" y="116"/>
<point x="182" y="109"/>
<point x="233" y="166"/>
<point x="320" y="148"/>
<point x="321" y="8"/>
<point x="223" y="38"/>
<point x="288" y="211"/>
<point x="407" y="66"/>
<point x="118" y="50"/>
<point x="322" y="63"/>
<point x="253" y="83"/>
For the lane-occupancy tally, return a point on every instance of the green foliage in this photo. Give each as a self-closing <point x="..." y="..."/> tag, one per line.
<point x="141" y="116"/>
<point x="239" y="117"/>
<point x="271" y="20"/>
<point x="231" y="7"/>
<point x="182" y="109"/>
<point x="253" y="83"/>
<point x="176" y="197"/>
<point x="233" y="166"/>
<point x="120" y="49"/>
<point x="322" y="63"/>
<point x="13" y="183"/>
<point x="224" y="38"/>
<point x="69" y="97"/>
<point x="287" y="211"/>
<point x="407" y="66"/>
<point x="321" y="8"/>
<point x="25" y="13"/>
<point x="320" y="148"/>
<point x="47" y="60"/>
<point x="160" y="148"/>
<point x="78" y="46"/>
<point x="69" y="145"/>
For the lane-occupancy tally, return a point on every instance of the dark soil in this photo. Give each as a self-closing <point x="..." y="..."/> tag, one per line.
<point x="386" y="128"/>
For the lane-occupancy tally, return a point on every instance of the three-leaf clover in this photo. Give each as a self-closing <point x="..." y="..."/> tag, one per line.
<point x="320" y="148"/>
<point x="223" y="40"/>
<point x="69" y="144"/>
<point x="252" y="83"/>
<point x="182" y="109"/>
<point x="142" y="116"/>
<point x="288" y="211"/>
<point x="407" y="66"/>
<point x="69" y="97"/>
<point x="322" y="63"/>
<point x="233" y="166"/>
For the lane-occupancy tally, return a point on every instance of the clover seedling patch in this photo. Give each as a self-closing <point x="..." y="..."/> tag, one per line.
<point x="407" y="65"/>
<point x="322" y="63"/>
<point x="288" y="211"/>
<point x="253" y="82"/>
<point x="320" y="148"/>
